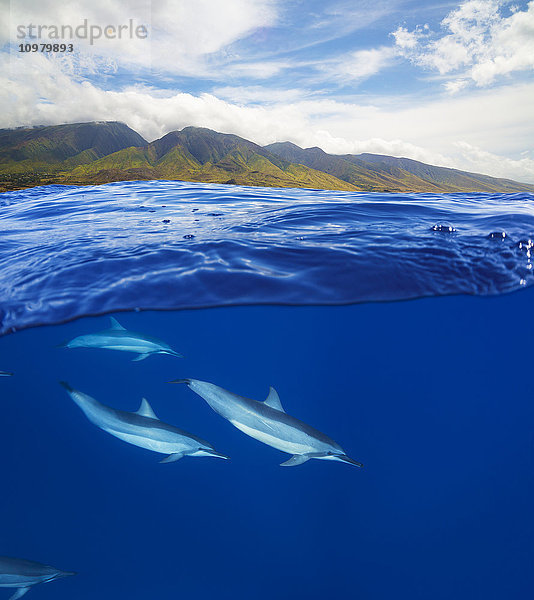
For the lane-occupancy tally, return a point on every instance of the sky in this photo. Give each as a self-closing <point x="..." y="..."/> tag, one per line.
<point x="447" y="83"/>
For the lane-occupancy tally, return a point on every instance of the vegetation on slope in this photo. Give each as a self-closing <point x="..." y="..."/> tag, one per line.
<point x="198" y="154"/>
<point x="93" y="153"/>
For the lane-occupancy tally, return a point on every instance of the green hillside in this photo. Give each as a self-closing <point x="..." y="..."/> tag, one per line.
<point x="199" y="154"/>
<point x="62" y="146"/>
<point x="94" y="153"/>
<point x="447" y="179"/>
<point x="358" y="175"/>
<point x="375" y="172"/>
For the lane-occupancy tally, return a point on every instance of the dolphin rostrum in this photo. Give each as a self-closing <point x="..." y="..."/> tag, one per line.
<point x="5" y="374"/>
<point x="119" y="338"/>
<point x="142" y="428"/>
<point x="268" y="422"/>
<point x="24" y="574"/>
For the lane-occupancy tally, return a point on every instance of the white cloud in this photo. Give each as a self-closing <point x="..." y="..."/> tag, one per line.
<point x="185" y="37"/>
<point x="358" y="65"/>
<point x="375" y="145"/>
<point x="202" y="27"/>
<point x="476" y="159"/>
<point x="35" y="90"/>
<point x="406" y="40"/>
<point x="455" y="85"/>
<point x="478" y="42"/>
<point x="253" y="70"/>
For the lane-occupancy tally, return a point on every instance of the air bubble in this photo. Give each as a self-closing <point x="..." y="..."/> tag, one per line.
<point x="526" y="246"/>
<point x="443" y="228"/>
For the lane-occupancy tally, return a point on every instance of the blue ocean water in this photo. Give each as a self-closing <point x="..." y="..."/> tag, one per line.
<point x="67" y="252"/>
<point x="433" y="395"/>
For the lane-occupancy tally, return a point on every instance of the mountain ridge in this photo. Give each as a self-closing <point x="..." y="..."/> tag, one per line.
<point x="200" y="154"/>
<point x="399" y="173"/>
<point x="101" y="152"/>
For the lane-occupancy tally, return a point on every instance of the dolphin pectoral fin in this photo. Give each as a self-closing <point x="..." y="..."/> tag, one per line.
<point x="172" y="457"/>
<point x="116" y="325"/>
<point x="295" y="460"/>
<point x="19" y="593"/>
<point x="145" y="410"/>
<point x="141" y="356"/>
<point x="273" y="400"/>
<point x="144" y="355"/>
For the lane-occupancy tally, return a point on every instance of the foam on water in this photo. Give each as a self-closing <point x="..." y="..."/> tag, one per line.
<point x="69" y="251"/>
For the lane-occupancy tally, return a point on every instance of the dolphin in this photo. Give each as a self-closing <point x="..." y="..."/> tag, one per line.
<point x="5" y="374"/>
<point x="142" y="428"/>
<point x="268" y="422"/>
<point x="24" y="574"/>
<point x="119" y="338"/>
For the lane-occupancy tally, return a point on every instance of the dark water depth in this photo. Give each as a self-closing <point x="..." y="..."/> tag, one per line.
<point x="434" y="396"/>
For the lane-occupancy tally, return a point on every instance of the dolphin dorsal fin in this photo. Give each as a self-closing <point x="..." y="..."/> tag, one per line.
<point x="115" y="324"/>
<point x="273" y="400"/>
<point x="145" y="410"/>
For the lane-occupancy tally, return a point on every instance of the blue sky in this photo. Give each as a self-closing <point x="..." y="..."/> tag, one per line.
<point x="309" y="39"/>
<point x="444" y="82"/>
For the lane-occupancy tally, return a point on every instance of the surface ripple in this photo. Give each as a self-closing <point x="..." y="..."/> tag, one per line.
<point x="67" y="251"/>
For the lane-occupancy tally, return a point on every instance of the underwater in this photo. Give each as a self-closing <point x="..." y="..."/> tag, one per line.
<point x="381" y="344"/>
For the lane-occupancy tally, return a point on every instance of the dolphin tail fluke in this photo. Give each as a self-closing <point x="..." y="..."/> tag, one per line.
<point x="187" y="381"/>
<point x="172" y="458"/>
<point x="19" y="593"/>
<point x="295" y="460"/>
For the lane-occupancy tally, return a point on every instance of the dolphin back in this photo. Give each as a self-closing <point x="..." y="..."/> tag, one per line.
<point x="142" y="428"/>
<point x="92" y="409"/>
<point x="263" y="422"/>
<point x="119" y="338"/>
